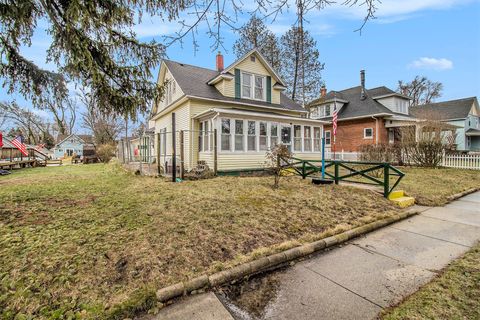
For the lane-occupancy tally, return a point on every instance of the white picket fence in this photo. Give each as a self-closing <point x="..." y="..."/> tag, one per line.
<point x="461" y="161"/>
<point x="342" y="155"/>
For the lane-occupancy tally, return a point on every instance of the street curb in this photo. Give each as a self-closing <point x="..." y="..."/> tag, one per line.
<point x="273" y="261"/>
<point x="461" y="194"/>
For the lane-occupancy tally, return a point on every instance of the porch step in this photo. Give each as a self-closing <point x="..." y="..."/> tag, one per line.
<point x="400" y="199"/>
<point x="396" y="194"/>
<point x="404" y="202"/>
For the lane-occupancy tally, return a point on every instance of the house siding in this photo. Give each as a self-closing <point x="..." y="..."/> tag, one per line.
<point x="182" y="122"/>
<point x="350" y="134"/>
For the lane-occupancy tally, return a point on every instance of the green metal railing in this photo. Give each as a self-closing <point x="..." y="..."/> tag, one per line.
<point x="310" y="168"/>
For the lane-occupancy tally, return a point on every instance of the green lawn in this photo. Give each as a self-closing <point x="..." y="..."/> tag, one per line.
<point x="432" y="187"/>
<point x="454" y="294"/>
<point x="93" y="241"/>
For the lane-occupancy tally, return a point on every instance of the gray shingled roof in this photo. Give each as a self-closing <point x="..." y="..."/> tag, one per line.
<point x="193" y="82"/>
<point x="87" y="138"/>
<point x="356" y="107"/>
<point x="446" y="110"/>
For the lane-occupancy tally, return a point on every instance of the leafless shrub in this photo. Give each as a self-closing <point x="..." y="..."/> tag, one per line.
<point x="424" y="144"/>
<point x="278" y="159"/>
<point x="106" y="152"/>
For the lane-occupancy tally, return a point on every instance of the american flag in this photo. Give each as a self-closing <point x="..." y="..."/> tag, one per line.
<point x="17" y="142"/>
<point x="335" y="117"/>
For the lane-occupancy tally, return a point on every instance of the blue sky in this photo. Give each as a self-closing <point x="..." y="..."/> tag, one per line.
<point x="436" y="38"/>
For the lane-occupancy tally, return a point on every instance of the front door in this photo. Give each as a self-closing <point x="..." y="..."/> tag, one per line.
<point x="69" y="152"/>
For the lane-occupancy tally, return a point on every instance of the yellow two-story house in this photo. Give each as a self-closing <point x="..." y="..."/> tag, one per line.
<point x="246" y="105"/>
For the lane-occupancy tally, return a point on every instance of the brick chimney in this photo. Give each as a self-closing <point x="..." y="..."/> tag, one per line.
<point x="323" y="91"/>
<point x="219" y="61"/>
<point x="362" y="84"/>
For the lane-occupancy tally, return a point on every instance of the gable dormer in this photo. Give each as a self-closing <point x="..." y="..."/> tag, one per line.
<point x="172" y="90"/>
<point x="395" y="102"/>
<point x="250" y="77"/>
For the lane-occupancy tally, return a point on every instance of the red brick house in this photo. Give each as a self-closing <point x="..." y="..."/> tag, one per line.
<point x="365" y="116"/>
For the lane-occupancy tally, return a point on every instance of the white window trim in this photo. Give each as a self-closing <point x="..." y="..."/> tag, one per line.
<point x="330" y="132"/>
<point x="365" y="133"/>
<point x="252" y="86"/>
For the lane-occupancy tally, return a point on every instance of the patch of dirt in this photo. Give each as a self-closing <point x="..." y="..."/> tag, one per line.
<point x="252" y="297"/>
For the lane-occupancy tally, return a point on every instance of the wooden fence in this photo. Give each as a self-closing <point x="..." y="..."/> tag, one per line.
<point x="461" y="161"/>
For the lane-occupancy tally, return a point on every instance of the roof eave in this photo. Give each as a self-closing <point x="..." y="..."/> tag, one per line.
<point x="392" y="95"/>
<point x="218" y="78"/>
<point x="245" y="104"/>
<point x="254" y="50"/>
<point x="254" y="113"/>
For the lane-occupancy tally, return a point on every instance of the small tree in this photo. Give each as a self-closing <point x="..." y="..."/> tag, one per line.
<point x="278" y="159"/>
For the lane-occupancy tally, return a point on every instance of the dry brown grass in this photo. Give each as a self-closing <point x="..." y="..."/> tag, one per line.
<point x="94" y="241"/>
<point x="433" y="186"/>
<point x="454" y="294"/>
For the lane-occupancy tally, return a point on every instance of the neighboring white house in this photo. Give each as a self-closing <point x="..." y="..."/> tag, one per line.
<point x="243" y="102"/>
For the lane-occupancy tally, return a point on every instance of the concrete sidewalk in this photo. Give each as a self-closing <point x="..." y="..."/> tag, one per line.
<point x="365" y="275"/>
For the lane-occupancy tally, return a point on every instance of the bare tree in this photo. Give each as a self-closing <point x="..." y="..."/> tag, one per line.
<point x="421" y="89"/>
<point x="104" y="127"/>
<point x="64" y="114"/>
<point x="34" y="128"/>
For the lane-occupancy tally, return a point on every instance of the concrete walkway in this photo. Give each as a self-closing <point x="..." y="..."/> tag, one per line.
<point x="360" y="278"/>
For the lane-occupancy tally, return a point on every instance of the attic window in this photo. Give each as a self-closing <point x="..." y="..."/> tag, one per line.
<point x="252" y="58"/>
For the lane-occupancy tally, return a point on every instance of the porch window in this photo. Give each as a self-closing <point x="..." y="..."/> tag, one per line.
<point x="252" y="138"/>
<point x="200" y="137"/>
<point x="239" y="144"/>
<point x="297" y="138"/>
<point x="206" y="137"/>
<point x="328" y="137"/>
<point x="263" y="136"/>
<point x="317" y="139"/>
<point x="225" y="135"/>
<point x="307" y="138"/>
<point x="273" y="135"/>
<point x="246" y="85"/>
<point x="368" y="133"/>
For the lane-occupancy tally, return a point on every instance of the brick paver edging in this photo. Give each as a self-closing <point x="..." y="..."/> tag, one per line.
<point x="262" y="264"/>
<point x="461" y="194"/>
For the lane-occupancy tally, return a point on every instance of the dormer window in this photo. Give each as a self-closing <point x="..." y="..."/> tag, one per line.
<point x="322" y="111"/>
<point x="327" y="111"/>
<point x="401" y="106"/>
<point x="253" y="86"/>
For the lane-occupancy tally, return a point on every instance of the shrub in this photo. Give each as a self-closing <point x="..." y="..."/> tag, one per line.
<point x="378" y="153"/>
<point x="278" y="159"/>
<point x="106" y="152"/>
<point x="426" y="145"/>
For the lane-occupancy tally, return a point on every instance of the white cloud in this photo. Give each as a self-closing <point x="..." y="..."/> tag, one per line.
<point x="432" y="64"/>
<point x="389" y="11"/>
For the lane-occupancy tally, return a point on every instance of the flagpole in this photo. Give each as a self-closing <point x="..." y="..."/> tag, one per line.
<point x="335" y="130"/>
